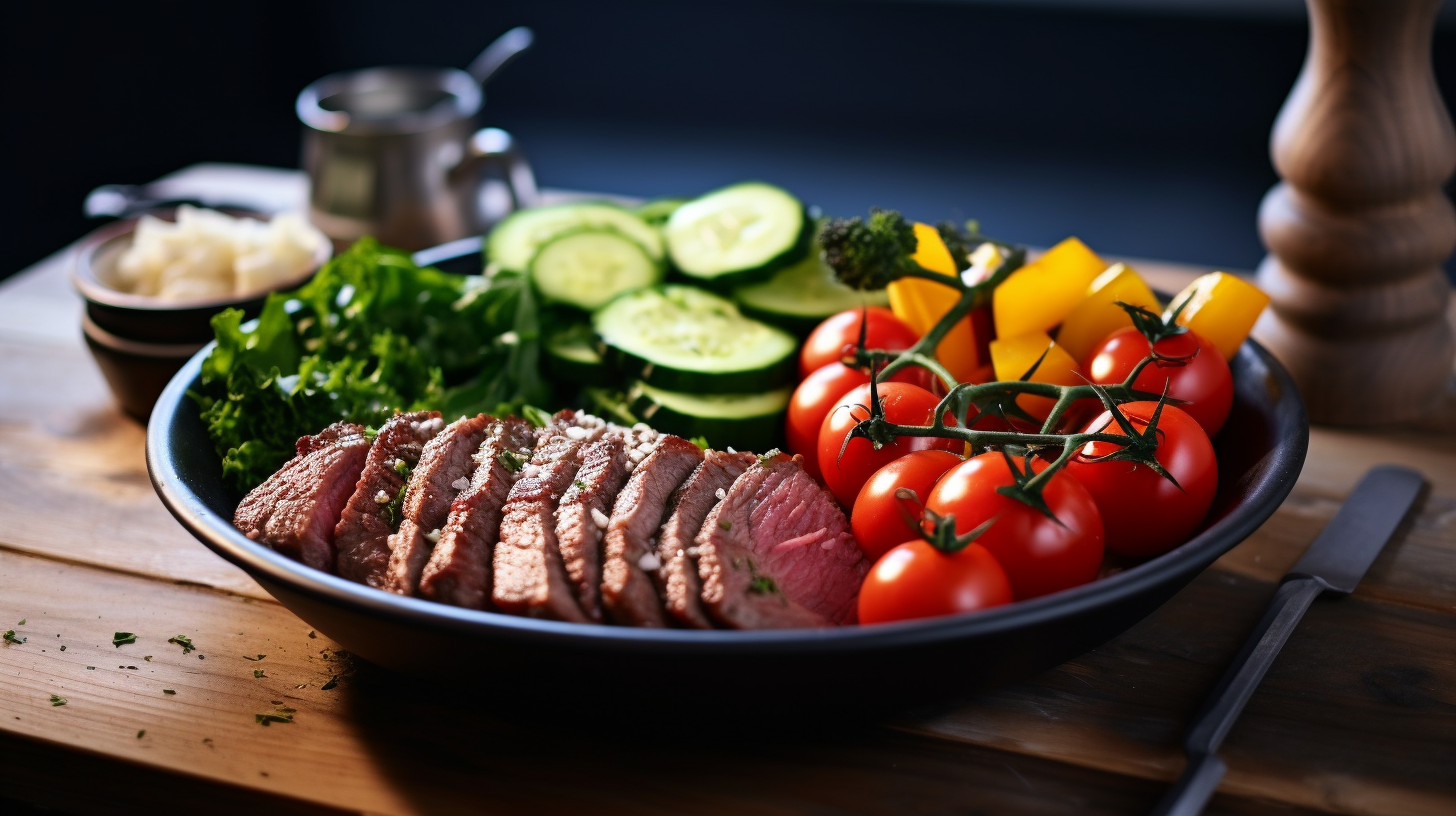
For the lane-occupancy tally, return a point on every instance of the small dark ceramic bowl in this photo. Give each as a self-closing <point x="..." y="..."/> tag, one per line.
<point x="149" y="319"/>
<point x="1260" y="453"/>
<point x="139" y="341"/>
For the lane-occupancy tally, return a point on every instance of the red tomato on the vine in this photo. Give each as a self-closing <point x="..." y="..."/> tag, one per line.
<point x="838" y="336"/>
<point x="1040" y="555"/>
<point x="915" y="580"/>
<point x="1202" y="380"/>
<point x="1143" y="513"/>
<point x="904" y="404"/>
<point x="879" y="517"/>
<point x="812" y="401"/>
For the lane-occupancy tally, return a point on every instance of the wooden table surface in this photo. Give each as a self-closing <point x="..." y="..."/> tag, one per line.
<point x="1357" y="716"/>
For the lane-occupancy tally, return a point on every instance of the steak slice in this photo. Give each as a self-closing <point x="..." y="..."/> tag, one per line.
<point x="459" y="569"/>
<point x="530" y="578"/>
<point x="582" y="516"/>
<point x="777" y="552"/>
<point x="444" y="470"/>
<point x="362" y="535"/>
<point x="630" y="551"/>
<point x="677" y="578"/>
<point x="294" y="510"/>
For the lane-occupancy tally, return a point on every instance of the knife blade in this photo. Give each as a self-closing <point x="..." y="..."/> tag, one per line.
<point x="1334" y="562"/>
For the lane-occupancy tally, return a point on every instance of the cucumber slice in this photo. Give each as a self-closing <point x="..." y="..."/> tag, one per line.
<point x="738" y="235"/>
<point x="686" y="339"/>
<point x="749" y="422"/>
<point x="657" y="211"/>
<point x="798" y="297"/>
<point x="588" y="267"/>
<point x="514" y="241"/>
<point x="574" y="358"/>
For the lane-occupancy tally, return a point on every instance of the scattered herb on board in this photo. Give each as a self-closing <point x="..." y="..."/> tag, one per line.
<point x="333" y="681"/>
<point x="279" y="715"/>
<point x="119" y="638"/>
<point x="147" y="658"/>
<point x="183" y="641"/>
<point x="141" y="733"/>
<point x="10" y="637"/>
<point x="58" y="701"/>
<point x="169" y="691"/>
<point x="259" y="657"/>
<point x="312" y="633"/>
<point x="371" y="334"/>
<point x="258" y="673"/>
<point x="21" y="623"/>
<point x="63" y="647"/>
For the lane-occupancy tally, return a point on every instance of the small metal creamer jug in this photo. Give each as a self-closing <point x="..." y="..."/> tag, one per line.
<point x="395" y="153"/>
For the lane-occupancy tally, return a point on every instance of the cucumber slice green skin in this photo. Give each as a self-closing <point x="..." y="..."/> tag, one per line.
<point x="657" y="211"/>
<point x="514" y="241"/>
<point x="699" y="268"/>
<point x="682" y="318"/>
<point x="587" y="267"/>
<point x="574" y="359"/>
<point x="799" y="297"/>
<point x="747" y="422"/>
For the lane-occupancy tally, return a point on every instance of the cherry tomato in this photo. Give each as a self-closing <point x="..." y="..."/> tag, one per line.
<point x="815" y="397"/>
<point x="1145" y="514"/>
<point x="879" y="517"/>
<point x="1040" y="555"/>
<point x="1203" y="381"/>
<point x="839" y="335"/>
<point x="915" y="580"/>
<point x="904" y="404"/>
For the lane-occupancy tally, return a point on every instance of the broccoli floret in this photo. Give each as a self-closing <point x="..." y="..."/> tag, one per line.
<point x="868" y="254"/>
<point x="961" y="241"/>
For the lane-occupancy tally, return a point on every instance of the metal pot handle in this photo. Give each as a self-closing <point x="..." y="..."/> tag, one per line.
<point x="493" y="147"/>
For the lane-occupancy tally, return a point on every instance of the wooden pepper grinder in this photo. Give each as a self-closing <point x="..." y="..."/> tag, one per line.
<point x="1359" y="228"/>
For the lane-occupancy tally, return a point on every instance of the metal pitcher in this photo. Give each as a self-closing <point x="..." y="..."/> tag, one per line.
<point x="395" y="153"/>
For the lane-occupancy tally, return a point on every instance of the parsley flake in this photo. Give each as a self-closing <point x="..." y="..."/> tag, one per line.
<point x="579" y="484"/>
<point x="510" y="460"/>
<point x="312" y="634"/>
<point x="725" y="524"/>
<point x="333" y="681"/>
<point x="9" y="637"/>
<point x="536" y="416"/>
<point x="279" y="715"/>
<point x="141" y="733"/>
<point x="22" y="622"/>
<point x="183" y="641"/>
<point x="169" y="691"/>
<point x="258" y="673"/>
<point x="58" y="701"/>
<point x="120" y="638"/>
<point x="255" y="659"/>
<point x="700" y="441"/>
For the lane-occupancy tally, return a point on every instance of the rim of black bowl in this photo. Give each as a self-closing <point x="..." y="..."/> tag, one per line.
<point x="1192" y="556"/>
<point x="84" y="279"/>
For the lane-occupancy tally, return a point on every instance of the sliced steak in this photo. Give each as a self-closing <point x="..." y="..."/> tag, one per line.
<point x="294" y="511"/>
<point x="362" y="535"/>
<point x="629" y="550"/>
<point x="444" y="470"/>
<point x="582" y="517"/>
<point x="459" y="569"/>
<point x="777" y="552"/>
<point x="677" y="578"/>
<point x="530" y="578"/>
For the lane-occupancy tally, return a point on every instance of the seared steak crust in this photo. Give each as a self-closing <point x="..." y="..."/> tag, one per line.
<point x="582" y="515"/>
<point x="444" y="470"/>
<point x="629" y="549"/>
<point x="777" y="553"/>
<point x="530" y="578"/>
<point x="362" y="534"/>
<point x="459" y="570"/>
<point x="294" y="511"/>
<point x="677" y="578"/>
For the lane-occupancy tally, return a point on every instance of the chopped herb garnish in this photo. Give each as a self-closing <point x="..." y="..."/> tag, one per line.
<point x="141" y="733"/>
<point x="312" y="634"/>
<point x="700" y="441"/>
<point x="258" y="673"/>
<point x="765" y="458"/>
<point x="169" y="691"/>
<point x="725" y="524"/>
<point x="147" y="658"/>
<point x="63" y="648"/>
<point x="183" y="641"/>
<point x="762" y="585"/>
<point x="259" y="657"/>
<point x="536" y="416"/>
<point x="120" y="638"/>
<point x="333" y="681"/>
<point x="22" y="622"/>
<point x="133" y="668"/>
<point x="58" y="701"/>
<point x="90" y="668"/>
<point x="280" y="715"/>
<point x="402" y="468"/>
<point x="9" y="637"/>
<point x="579" y="484"/>
<point x="510" y="460"/>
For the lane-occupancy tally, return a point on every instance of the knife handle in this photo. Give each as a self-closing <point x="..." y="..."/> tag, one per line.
<point x="1200" y="778"/>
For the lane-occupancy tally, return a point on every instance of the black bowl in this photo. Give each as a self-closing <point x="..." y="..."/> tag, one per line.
<point x="1260" y="453"/>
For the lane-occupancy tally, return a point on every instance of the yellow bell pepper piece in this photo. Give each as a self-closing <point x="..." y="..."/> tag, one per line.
<point x="1013" y="356"/>
<point x="922" y="303"/>
<point x="1222" y="309"/>
<point x="1098" y="315"/>
<point x="1041" y="294"/>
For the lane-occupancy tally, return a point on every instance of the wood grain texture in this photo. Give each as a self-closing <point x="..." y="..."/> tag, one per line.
<point x="1359" y="227"/>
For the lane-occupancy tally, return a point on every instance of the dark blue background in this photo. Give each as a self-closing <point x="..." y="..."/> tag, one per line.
<point x="1144" y="132"/>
